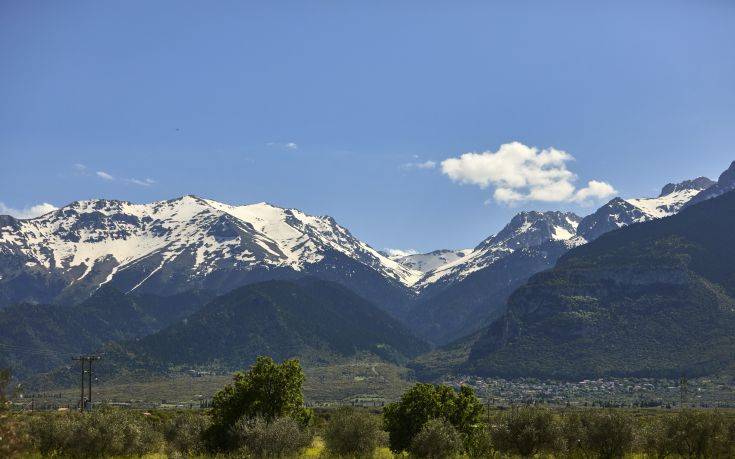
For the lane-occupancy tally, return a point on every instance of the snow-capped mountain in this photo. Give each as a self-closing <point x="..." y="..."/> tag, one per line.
<point x="426" y="262"/>
<point x="725" y="183"/>
<point x="526" y="229"/>
<point x="622" y="212"/>
<point x="169" y="246"/>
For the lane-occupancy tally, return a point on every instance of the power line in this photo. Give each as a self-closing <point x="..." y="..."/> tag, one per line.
<point x="30" y="349"/>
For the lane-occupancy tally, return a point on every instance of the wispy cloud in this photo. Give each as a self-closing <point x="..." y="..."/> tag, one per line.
<point x="284" y="145"/>
<point x="520" y="173"/>
<point x="104" y="175"/>
<point x="425" y="165"/>
<point x="84" y="171"/>
<point x="145" y="182"/>
<point x="27" y="212"/>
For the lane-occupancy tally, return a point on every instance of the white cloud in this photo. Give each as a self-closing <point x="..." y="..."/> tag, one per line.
<point x="521" y="173"/>
<point x="80" y="167"/>
<point x="594" y="191"/>
<point x="395" y="253"/>
<point x="146" y="182"/>
<point x="284" y="145"/>
<point x="105" y="175"/>
<point x="422" y="165"/>
<point x="27" y="212"/>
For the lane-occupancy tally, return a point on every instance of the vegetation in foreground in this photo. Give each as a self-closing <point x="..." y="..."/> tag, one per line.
<point x="261" y="414"/>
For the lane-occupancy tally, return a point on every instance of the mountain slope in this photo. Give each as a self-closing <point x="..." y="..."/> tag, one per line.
<point x="314" y="320"/>
<point x="725" y="183"/>
<point x="35" y="338"/>
<point x="475" y="301"/>
<point x="425" y="262"/>
<point x="526" y="229"/>
<point x="171" y="246"/>
<point x="654" y="299"/>
<point x="620" y="212"/>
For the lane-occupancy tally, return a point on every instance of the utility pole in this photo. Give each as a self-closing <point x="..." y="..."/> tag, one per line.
<point x="82" y="360"/>
<point x="683" y="386"/>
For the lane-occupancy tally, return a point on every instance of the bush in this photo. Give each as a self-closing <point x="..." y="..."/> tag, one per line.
<point x="97" y="434"/>
<point x="691" y="434"/>
<point x="604" y="434"/>
<point x="525" y="431"/>
<point x="280" y="437"/>
<point x="437" y="439"/>
<point x="184" y="433"/>
<point x="352" y="432"/>
<point x="13" y="436"/>
<point x="405" y="418"/>
<point x="268" y="390"/>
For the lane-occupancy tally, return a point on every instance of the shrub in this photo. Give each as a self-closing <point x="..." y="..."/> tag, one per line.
<point x="267" y="390"/>
<point x="525" y="431"/>
<point x="13" y="437"/>
<point x="278" y="438"/>
<point x="405" y="418"/>
<point x="605" y="434"/>
<point x="437" y="439"/>
<point x="184" y="434"/>
<point x="97" y="434"/>
<point x="352" y="432"/>
<point x="691" y="434"/>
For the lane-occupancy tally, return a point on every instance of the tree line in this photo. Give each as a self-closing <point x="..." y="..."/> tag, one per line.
<point x="262" y="414"/>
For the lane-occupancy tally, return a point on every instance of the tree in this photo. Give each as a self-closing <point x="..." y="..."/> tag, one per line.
<point x="691" y="433"/>
<point x="405" y="418"/>
<point x="605" y="434"/>
<point x="525" y="431"/>
<point x="267" y="390"/>
<point x="5" y="377"/>
<point x="437" y="439"/>
<point x="351" y="432"/>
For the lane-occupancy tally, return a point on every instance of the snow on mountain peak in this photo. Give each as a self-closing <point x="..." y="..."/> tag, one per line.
<point x="107" y="237"/>
<point x="672" y="198"/>
<point x="699" y="184"/>
<point x="430" y="261"/>
<point x="526" y="229"/>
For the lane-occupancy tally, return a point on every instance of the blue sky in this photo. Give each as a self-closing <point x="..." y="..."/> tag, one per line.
<point x="350" y="108"/>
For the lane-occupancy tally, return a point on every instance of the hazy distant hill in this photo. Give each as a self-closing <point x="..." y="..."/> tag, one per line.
<point x="36" y="338"/>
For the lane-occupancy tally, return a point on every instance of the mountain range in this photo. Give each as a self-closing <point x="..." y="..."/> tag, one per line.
<point x="167" y="247"/>
<point x="56" y="266"/>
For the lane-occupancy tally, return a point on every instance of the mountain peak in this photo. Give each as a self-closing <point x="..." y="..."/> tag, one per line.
<point x="537" y="225"/>
<point x="697" y="184"/>
<point x="725" y="183"/>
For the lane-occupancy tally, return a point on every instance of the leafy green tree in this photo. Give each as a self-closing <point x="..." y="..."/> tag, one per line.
<point x="267" y="390"/>
<point x="405" y="418"/>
